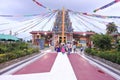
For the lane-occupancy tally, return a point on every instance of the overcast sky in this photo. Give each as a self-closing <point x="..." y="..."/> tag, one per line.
<point x="25" y="7"/>
<point x="16" y="7"/>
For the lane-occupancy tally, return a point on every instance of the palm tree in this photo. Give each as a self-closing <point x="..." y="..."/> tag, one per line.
<point x="111" y="28"/>
<point x="113" y="31"/>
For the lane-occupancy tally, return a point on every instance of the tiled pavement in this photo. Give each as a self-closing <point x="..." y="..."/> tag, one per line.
<point x="58" y="66"/>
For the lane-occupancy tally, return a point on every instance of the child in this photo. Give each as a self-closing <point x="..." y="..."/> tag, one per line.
<point x="81" y="49"/>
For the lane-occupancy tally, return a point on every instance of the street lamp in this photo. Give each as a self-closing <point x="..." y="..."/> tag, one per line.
<point x="84" y="34"/>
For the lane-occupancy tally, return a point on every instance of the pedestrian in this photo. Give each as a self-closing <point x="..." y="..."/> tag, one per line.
<point x="69" y="45"/>
<point x="55" y="48"/>
<point x="74" y="47"/>
<point x="58" y="49"/>
<point x="63" y="49"/>
<point x="81" y="49"/>
<point x="66" y="48"/>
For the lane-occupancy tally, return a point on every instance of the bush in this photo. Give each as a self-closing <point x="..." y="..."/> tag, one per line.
<point x="3" y="49"/>
<point x="102" y="42"/>
<point x="118" y="58"/>
<point x="88" y="50"/>
<point x="9" y="51"/>
<point x="91" y="51"/>
<point x="94" y="52"/>
<point x="2" y="58"/>
<point x="112" y="55"/>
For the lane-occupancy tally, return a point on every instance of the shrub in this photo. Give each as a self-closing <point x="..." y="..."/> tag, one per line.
<point x="3" y="49"/>
<point x="88" y="50"/>
<point x="102" y="42"/>
<point x="10" y="56"/>
<point x="118" y="58"/>
<point x="11" y="51"/>
<point x="94" y="52"/>
<point x="112" y="55"/>
<point x="2" y="58"/>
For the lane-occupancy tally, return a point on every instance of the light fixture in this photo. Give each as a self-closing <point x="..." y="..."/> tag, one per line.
<point x="84" y="34"/>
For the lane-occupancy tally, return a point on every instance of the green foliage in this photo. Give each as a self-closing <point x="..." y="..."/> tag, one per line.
<point x="118" y="44"/>
<point x="111" y="28"/>
<point x="2" y="58"/>
<point x="102" y="42"/>
<point x="112" y="55"/>
<point x="3" y="49"/>
<point x="9" y="47"/>
<point x="88" y="50"/>
<point x="9" y="51"/>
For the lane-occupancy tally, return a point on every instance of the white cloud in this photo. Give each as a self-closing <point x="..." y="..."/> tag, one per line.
<point x="24" y="7"/>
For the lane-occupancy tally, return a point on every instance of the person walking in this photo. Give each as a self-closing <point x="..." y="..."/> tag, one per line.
<point x="81" y="49"/>
<point x="74" y="47"/>
<point x="63" y="49"/>
<point x="69" y="45"/>
<point x="58" y="48"/>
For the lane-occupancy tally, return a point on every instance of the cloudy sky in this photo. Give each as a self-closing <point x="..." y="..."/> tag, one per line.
<point x="29" y="7"/>
<point x="26" y="7"/>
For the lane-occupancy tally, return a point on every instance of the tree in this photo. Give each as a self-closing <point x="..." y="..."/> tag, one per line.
<point x="102" y="41"/>
<point x="118" y="44"/>
<point x="111" y="28"/>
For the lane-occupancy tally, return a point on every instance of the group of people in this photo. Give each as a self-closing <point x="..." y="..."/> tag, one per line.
<point x="68" y="47"/>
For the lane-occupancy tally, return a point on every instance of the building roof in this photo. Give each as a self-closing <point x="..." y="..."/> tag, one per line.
<point x="8" y="37"/>
<point x="50" y="32"/>
<point x="82" y="33"/>
<point x="41" y="32"/>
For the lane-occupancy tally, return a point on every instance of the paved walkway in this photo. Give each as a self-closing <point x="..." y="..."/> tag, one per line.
<point x="58" y="66"/>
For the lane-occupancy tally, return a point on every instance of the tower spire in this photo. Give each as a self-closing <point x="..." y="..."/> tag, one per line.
<point x="63" y="24"/>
